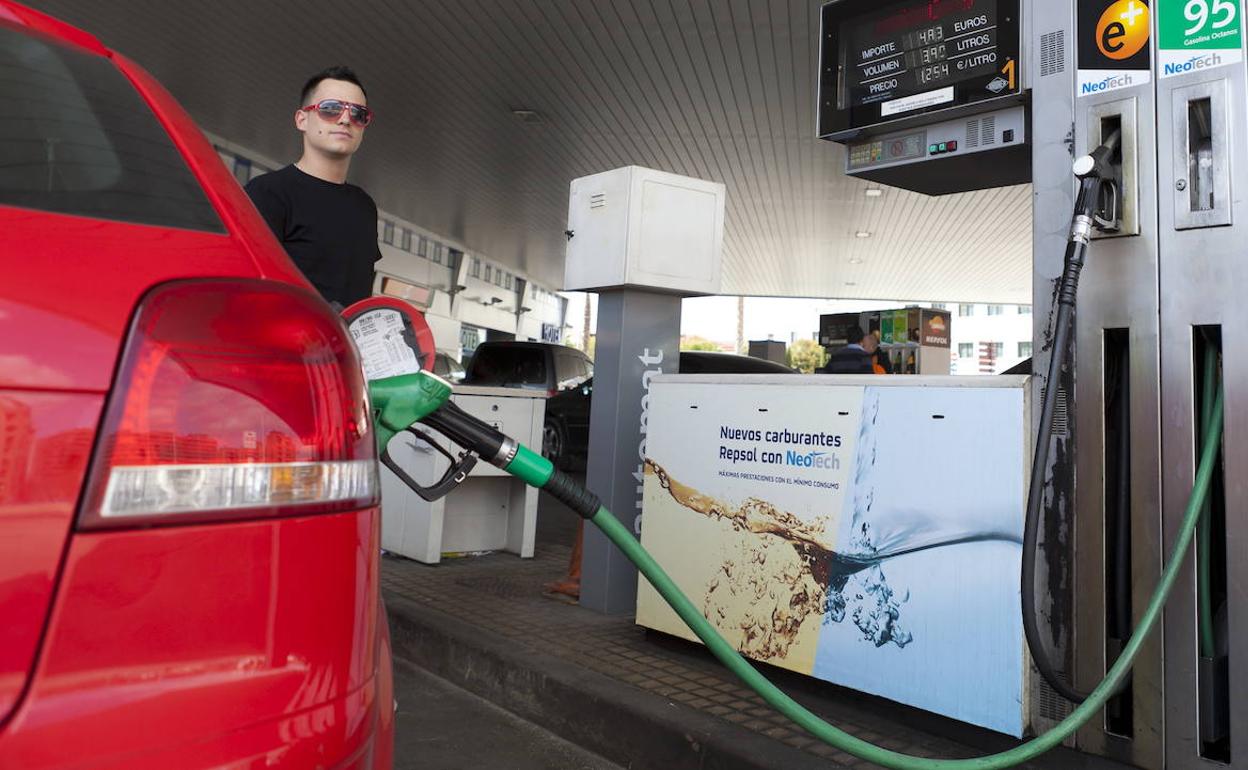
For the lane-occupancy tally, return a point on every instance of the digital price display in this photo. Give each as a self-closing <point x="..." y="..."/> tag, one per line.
<point x="882" y="62"/>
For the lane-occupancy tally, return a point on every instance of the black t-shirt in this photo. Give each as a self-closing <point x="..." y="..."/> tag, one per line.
<point x="328" y="229"/>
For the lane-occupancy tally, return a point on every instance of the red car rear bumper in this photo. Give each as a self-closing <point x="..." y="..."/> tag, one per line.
<point x="249" y="644"/>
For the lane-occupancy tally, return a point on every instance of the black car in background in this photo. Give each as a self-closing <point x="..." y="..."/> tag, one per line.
<point x="529" y="365"/>
<point x="565" y="434"/>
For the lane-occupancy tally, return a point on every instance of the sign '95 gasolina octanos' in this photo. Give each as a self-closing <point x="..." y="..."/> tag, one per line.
<point x="188" y="529"/>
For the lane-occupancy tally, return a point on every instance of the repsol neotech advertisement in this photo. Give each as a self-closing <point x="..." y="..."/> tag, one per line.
<point x="869" y="536"/>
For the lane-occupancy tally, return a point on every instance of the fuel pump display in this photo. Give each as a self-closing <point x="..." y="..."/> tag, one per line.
<point x="918" y="47"/>
<point x="921" y="90"/>
<point x="911" y="58"/>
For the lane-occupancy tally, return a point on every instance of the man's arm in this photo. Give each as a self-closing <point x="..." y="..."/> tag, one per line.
<point x="270" y="206"/>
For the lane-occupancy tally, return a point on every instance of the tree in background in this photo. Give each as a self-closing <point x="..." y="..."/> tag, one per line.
<point x="587" y="334"/>
<point x="697" y="343"/>
<point x="741" y="326"/>
<point x="806" y="356"/>
<point x="589" y="344"/>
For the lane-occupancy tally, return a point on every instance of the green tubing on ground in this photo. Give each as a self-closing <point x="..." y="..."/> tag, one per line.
<point x="721" y="649"/>
<point x="530" y="467"/>
<point x="1204" y="537"/>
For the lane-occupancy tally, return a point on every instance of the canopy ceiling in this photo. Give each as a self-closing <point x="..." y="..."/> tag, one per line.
<point x="717" y="89"/>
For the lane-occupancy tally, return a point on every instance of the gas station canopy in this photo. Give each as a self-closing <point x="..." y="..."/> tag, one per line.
<point x="487" y="110"/>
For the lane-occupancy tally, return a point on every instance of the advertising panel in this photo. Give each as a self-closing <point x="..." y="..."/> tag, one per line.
<point x="936" y="328"/>
<point x="901" y="326"/>
<point x="866" y="536"/>
<point x="1198" y="35"/>
<point x="1113" y="46"/>
<point x="834" y="328"/>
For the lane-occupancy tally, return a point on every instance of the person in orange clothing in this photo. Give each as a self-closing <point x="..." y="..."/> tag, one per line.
<point x="880" y="363"/>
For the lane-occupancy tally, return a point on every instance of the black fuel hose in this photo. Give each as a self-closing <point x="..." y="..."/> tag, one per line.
<point x="1093" y="171"/>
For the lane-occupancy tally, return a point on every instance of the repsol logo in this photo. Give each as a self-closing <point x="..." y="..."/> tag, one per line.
<point x="821" y="460"/>
<point x="1108" y="84"/>
<point x="1194" y="64"/>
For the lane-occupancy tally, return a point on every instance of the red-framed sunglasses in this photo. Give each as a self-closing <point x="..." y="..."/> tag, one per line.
<point x="331" y="109"/>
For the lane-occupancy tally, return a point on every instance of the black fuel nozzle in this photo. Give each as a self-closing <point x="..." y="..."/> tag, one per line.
<point x="1098" y="188"/>
<point x="476" y="437"/>
<point x="401" y="402"/>
<point x="489" y="443"/>
<point x="457" y="470"/>
<point x="1098" y="164"/>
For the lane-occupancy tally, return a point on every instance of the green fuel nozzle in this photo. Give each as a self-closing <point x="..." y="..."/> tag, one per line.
<point x="400" y="402"/>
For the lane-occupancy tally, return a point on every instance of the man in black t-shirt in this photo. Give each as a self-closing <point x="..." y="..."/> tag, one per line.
<point x="328" y="227"/>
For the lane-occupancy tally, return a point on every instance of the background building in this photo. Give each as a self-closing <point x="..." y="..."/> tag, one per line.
<point x="1004" y="329"/>
<point x="712" y="321"/>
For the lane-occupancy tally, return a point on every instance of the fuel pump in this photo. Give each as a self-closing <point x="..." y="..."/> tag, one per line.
<point x="907" y="88"/>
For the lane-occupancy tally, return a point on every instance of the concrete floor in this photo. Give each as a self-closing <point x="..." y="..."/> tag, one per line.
<point x="442" y="727"/>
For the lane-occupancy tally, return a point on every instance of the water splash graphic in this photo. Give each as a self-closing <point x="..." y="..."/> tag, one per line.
<point x="768" y="586"/>
<point x="892" y="572"/>
<point x="877" y="535"/>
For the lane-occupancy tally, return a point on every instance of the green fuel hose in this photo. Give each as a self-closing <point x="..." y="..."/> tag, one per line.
<point x="1204" y="548"/>
<point x="407" y="399"/>
<point x="537" y="471"/>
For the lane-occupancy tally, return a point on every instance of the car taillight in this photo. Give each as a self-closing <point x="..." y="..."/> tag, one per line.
<point x="234" y="399"/>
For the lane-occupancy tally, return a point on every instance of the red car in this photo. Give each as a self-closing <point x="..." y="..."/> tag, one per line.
<point x="189" y="530"/>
